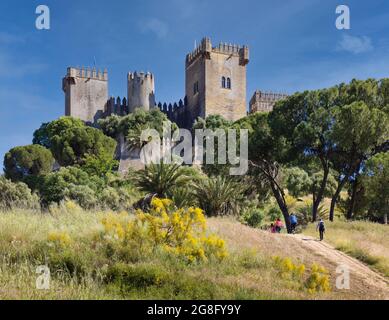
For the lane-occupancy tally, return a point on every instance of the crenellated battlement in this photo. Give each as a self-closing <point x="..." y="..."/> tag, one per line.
<point x="89" y="73"/>
<point x="140" y="75"/>
<point x="269" y="95"/>
<point x="176" y="112"/>
<point x="264" y="101"/>
<point x="205" y="48"/>
<point x="117" y="106"/>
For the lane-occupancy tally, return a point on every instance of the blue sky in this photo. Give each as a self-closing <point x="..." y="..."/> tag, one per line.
<point x="294" y="46"/>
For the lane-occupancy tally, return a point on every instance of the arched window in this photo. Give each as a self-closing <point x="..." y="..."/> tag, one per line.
<point x="223" y="82"/>
<point x="228" y="83"/>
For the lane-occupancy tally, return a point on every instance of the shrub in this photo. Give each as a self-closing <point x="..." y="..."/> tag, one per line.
<point x="83" y="195"/>
<point x="274" y="212"/>
<point x="318" y="279"/>
<point x="115" y="199"/>
<point x="16" y="195"/>
<point x="137" y="276"/>
<point x="162" y="178"/>
<point x="180" y="232"/>
<point x="219" y="196"/>
<point x="253" y="217"/>
<point x="66" y="183"/>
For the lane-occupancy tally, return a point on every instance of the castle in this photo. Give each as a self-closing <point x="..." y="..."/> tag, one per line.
<point x="215" y="83"/>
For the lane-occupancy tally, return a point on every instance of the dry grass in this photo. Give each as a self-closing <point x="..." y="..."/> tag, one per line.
<point x="241" y="237"/>
<point x="366" y="241"/>
<point x="248" y="272"/>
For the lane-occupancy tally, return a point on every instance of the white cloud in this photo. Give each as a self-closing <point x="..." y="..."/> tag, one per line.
<point x="156" y="26"/>
<point x="355" y="44"/>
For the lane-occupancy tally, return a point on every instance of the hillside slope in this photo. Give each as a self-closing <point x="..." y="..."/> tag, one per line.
<point x="364" y="283"/>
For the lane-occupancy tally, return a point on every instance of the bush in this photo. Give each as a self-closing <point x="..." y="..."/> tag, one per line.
<point x="219" y="196"/>
<point x="137" y="276"/>
<point x="317" y="280"/>
<point x="179" y="232"/>
<point x="16" y="195"/>
<point x="274" y="213"/>
<point x="120" y="198"/>
<point x="70" y="183"/>
<point x="253" y="217"/>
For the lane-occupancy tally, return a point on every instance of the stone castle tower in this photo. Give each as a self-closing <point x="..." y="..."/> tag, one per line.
<point x="140" y="91"/>
<point x="215" y="80"/>
<point x="86" y="93"/>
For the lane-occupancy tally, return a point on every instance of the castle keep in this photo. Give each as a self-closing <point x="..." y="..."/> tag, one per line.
<point x="215" y="83"/>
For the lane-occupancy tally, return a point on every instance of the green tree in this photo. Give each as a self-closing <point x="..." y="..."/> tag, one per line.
<point x="99" y="165"/>
<point x="48" y="130"/>
<point x="357" y="133"/>
<point x="376" y="181"/>
<point x="73" y="145"/>
<point x="306" y="120"/>
<point x="219" y="126"/>
<point x="267" y="151"/>
<point x="297" y="181"/>
<point x="27" y="162"/>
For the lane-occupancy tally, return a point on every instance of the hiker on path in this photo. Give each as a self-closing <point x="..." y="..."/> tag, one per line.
<point x="321" y="227"/>
<point x="279" y="225"/>
<point x="293" y="222"/>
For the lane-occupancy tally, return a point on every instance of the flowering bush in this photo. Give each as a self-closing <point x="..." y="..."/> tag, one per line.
<point x="61" y="239"/>
<point x="181" y="232"/>
<point x="288" y="269"/>
<point x="317" y="280"/>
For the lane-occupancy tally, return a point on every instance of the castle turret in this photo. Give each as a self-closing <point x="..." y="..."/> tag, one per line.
<point x="140" y="91"/>
<point x="86" y="93"/>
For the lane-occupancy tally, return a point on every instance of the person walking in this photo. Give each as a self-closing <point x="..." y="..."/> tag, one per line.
<point x="279" y="225"/>
<point x="321" y="227"/>
<point x="293" y="222"/>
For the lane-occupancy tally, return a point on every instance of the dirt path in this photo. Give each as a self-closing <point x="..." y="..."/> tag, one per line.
<point x="364" y="282"/>
<point x="358" y="270"/>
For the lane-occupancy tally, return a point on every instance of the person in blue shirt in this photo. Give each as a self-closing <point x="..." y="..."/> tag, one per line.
<point x="293" y="222"/>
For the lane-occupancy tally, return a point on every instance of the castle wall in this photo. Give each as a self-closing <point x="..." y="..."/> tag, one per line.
<point x="264" y="101"/>
<point x="86" y="93"/>
<point x="140" y="91"/>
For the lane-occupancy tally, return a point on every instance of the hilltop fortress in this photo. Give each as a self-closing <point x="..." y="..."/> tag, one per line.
<point x="215" y="83"/>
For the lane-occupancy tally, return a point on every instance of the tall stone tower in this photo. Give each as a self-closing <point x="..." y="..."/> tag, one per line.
<point x="140" y="91"/>
<point x="86" y="93"/>
<point x="215" y="80"/>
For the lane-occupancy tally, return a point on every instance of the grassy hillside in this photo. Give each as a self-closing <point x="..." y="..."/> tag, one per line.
<point x="366" y="241"/>
<point x="85" y="265"/>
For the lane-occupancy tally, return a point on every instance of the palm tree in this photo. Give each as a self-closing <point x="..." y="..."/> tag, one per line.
<point x="161" y="179"/>
<point x="219" y="195"/>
